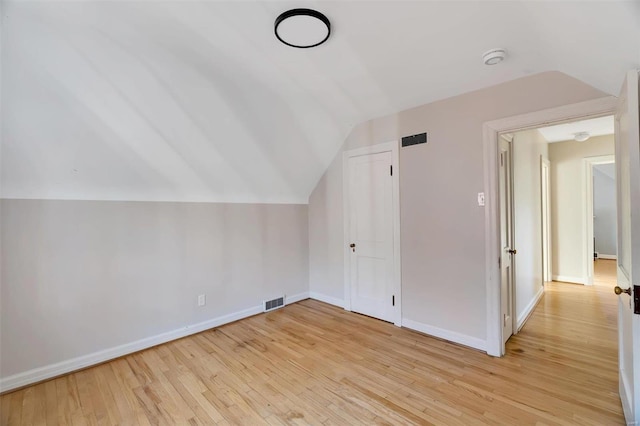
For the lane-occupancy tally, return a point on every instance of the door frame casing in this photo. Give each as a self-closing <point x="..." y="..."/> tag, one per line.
<point x="392" y="147"/>
<point x="587" y="188"/>
<point x="589" y="109"/>
<point x="545" y="194"/>
<point x="509" y="137"/>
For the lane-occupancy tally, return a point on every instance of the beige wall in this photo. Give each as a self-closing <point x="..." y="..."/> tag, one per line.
<point x="567" y="204"/>
<point x="442" y="227"/>
<point x="528" y="147"/>
<point x="84" y="276"/>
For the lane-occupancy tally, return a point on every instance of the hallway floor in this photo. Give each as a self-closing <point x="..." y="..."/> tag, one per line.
<point x="605" y="272"/>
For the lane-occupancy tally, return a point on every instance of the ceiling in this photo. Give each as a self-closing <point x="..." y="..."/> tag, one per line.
<point x="564" y="132"/>
<point x="198" y="101"/>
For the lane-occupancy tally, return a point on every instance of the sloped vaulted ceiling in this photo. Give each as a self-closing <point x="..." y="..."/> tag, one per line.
<point x="198" y="101"/>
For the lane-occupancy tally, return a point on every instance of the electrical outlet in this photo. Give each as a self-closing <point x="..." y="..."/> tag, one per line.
<point x="202" y="300"/>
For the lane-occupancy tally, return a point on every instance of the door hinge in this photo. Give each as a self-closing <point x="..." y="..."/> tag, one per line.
<point x="636" y="299"/>
<point x="391" y="170"/>
<point x="504" y="317"/>
<point x="393" y="300"/>
<point x="499" y="262"/>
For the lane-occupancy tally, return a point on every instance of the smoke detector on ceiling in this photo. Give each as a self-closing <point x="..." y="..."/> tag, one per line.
<point x="581" y="136"/>
<point x="494" y="56"/>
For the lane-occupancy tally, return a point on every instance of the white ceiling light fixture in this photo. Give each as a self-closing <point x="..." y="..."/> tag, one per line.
<point x="302" y="28"/>
<point x="581" y="136"/>
<point x="494" y="56"/>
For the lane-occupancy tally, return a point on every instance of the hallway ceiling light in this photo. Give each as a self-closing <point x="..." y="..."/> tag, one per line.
<point x="494" y="56"/>
<point x="302" y="28"/>
<point x="581" y="136"/>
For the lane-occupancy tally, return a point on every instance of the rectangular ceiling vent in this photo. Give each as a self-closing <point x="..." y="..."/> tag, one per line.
<point x="270" y="305"/>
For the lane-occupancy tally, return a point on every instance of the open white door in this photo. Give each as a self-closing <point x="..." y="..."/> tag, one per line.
<point x="628" y="202"/>
<point x="506" y="241"/>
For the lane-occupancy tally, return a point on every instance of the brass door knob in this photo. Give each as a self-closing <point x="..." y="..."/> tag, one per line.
<point x="353" y="247"/>
<point x="513" y="251"/>
<point x="619" y="290"/>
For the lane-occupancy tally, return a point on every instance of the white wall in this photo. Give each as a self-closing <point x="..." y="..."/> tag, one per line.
<point x="79" y="277"/>
<point x="604" y="209"/>
<point x="568" y="203"/>
<point x="442" y="227"/>
<point x="528" y="147"/>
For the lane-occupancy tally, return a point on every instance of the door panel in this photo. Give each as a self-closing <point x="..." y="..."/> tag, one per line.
<point x="371" y="230"/>
<point x="628" y="203"/>
<point x="371" y="283"/>
<point x="506" y="238"/>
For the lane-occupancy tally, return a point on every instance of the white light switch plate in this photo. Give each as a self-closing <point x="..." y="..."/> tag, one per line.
<point x="202" y="300"/>
<point x="481" y="199"/>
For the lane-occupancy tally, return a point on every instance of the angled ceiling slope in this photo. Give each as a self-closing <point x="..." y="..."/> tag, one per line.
<point x="198" y="101"/>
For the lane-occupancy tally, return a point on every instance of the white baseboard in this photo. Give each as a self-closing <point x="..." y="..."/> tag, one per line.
<point x="326" y="299"/>
<point x="84" y="361"/>
<point x="568" y="279"/>
<point x="607" y="256"/>
<point x="522" y="318"/>
<point x="296" y="297"/>
<point x="451" y="336"/>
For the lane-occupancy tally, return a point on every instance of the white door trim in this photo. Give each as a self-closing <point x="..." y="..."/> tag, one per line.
<point x="545" y="193"/>
<point x="587" y="211"/>
<point x="397" y="274"/>
<point x="589" y="109"/>
<point x="511" y="232"/>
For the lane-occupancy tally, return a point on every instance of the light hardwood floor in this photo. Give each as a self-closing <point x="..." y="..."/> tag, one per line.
<point x="605" y="272"/>
<point x="311" y="363"/>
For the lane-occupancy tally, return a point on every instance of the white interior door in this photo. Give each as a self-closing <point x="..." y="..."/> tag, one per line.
<point x="628" y="203"/>
<point x="371" y="235"/>
<point x="546" y="219"/>
<point x="506" y="238"/>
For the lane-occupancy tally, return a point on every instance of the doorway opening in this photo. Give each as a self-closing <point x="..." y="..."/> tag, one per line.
<point x="602" y="228"/>
<point x="552" y="181"/>
<point x="494" y="249"/>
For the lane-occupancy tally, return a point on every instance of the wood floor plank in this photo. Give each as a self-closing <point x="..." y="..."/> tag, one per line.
<point x="51" y="402"/>
<point x="312" y="363"/>
<point x="28" y="405"/>
<point x="15" y="407"/>
<point x="5" y="409"/>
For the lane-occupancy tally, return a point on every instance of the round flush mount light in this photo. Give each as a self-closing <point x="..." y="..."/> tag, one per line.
<point x="302" y="28"/>
<point x="494" y="56"/>
<point x="581" y="136"/>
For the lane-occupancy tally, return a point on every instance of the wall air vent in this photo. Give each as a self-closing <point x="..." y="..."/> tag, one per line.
<point x="414" y="139"/>
<point x="270" y="305"/>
